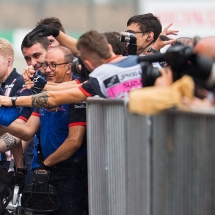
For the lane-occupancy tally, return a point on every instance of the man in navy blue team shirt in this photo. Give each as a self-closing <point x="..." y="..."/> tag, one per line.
<point x="62" y="131"/>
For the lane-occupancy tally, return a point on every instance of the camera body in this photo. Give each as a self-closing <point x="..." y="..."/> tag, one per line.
<point x="79" y="70"/>
<point x="131" y="42"/>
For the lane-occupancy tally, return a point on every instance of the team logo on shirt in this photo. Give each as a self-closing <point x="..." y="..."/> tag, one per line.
<point x="111" y="81"/>
<point x="130" y="75"/>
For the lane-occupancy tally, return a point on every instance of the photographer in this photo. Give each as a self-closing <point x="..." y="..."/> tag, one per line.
<point x="147" y="29"/>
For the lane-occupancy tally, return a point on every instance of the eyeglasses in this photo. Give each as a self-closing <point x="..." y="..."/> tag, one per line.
<point x="52" y="66"/>
<point x="135" y="32"/>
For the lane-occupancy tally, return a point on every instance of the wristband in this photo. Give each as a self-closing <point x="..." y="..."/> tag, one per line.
<point x="150" y="49"/>
<point x="13" y="100"/>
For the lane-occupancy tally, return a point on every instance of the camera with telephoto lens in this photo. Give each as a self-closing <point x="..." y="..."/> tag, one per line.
<point x="79" y="70"/>
<point x="149" y="74"/>
<point x="131" y="42"/>
<point x="182" y="61"/>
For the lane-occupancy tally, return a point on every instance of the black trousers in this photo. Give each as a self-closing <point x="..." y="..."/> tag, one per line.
<point x="70" y="180"/>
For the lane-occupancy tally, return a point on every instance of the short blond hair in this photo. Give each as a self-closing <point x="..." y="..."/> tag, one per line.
<point x="6" y="48"/>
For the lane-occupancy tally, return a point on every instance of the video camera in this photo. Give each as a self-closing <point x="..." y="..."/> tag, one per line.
<point x="130" y="41"/>
<point x="182" y="61"/>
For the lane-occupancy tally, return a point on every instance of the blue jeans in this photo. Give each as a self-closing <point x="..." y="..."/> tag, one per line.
<point x="70" y="181"/>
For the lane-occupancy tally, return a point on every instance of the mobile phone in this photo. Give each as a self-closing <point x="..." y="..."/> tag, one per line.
<point x="164" y="38"/>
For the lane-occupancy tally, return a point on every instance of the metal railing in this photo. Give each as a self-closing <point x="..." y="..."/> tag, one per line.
<point x="161" y="165"/>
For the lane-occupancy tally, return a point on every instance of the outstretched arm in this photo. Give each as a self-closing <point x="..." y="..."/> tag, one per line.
<point x="68" y="42"/>
<point x="47" y="99"/>
<point x="50" y="86"/>
<point x="63" y="39"/>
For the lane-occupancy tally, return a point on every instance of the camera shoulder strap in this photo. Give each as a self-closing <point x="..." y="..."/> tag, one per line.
<point x="39" y="151"/>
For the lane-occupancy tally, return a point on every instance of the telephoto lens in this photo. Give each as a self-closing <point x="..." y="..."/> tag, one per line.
<point x="149" y="74"/>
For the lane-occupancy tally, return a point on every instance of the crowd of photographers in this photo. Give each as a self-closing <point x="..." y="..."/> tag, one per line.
<point x="62" y="72"/>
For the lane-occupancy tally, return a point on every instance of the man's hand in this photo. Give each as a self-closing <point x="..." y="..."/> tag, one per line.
<point x="39" y="82"/>
<point x="34" y="86"/>
<point x="159" y="43"/>
<point x="27" y="75"/>
<point x="44" y="31"/>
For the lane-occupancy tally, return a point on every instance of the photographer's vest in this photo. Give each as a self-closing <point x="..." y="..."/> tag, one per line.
<point x="115" y="80"/>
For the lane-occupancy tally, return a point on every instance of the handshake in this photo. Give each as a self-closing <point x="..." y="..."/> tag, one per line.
<point x="9" y="114"/>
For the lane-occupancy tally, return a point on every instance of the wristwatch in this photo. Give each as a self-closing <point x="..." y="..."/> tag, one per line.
<point x="150" y="49"/>
<point x="13" y="99"/>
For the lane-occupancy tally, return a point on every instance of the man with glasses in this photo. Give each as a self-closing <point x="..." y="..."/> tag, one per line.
<point x="34" y="50"/>
<point x="147" y="28"/>
<point x="62" y="138"/>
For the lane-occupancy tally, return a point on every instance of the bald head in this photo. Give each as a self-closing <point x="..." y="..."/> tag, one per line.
<point x="206" y="47"/>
